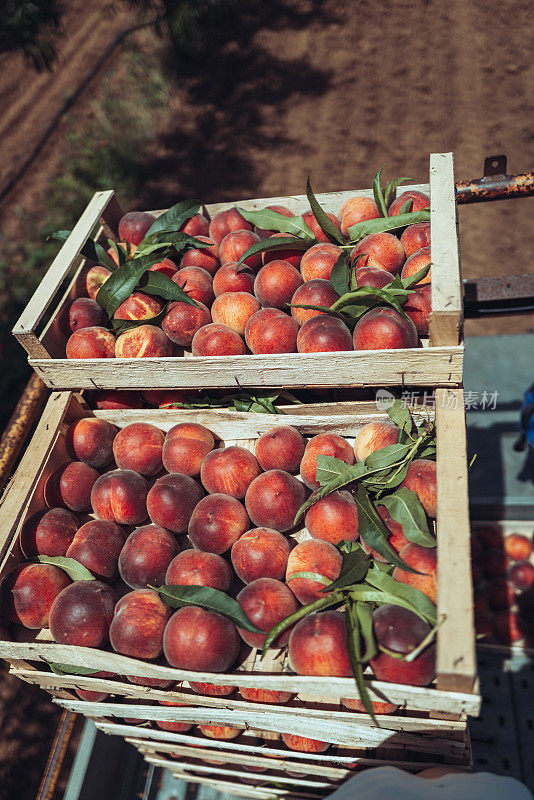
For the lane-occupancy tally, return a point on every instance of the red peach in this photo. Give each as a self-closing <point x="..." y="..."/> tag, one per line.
<point x="318" y="645"/>
<point x="229" y="471"/>
<point x="517" y="547"/>
<point x="162" y="397"/>
<point x="419" y="307"/>
<point x="378" y="707"/>
<point x="173" y="726"/>
<point x="217" y="340"/>
<point x="317" y="262"/>
<point x="260" y="553"/>
<point x="230" y="279"/>
<point x="384" y="329"/>
<point x="326" y="444"/>
<point x="197" y="225"/>
<point x="235" y="244"/>
<point x="495" y="562"/>
<point x="522" y="575"/>
<point x="120" y="496"/>
<point x="225" y="222"/>
<point x="138" y="306"/>
<point x="315" y="228"/>
<point x="196" y="568"/>
<point x="396" y="537"/>
<point x="134" y="226"/>
<point x="303" y="745"/>
<point x="28" y="592"/>
<point x="501" y="593"/>
<point x="374" y="436"/>
<point x="139" y="447"/>
<point x="415" y="263"/>
<point x="234" y="309"/>
<point x="91" y="440"/>
<point x="294" y="255"/>
<point x="268" y="332"/>
<point x="280" y="448"/>
<point x="146" y="556"/>
<point x="138" y="624"/>
<point x="424" y="560"/>
<point x="81" y="614"/>
<point x="97" y="546"/>
<point x="508" y="626"/>
<point x="317" y="292"/>
<point x="212" y="689"/>
<point x="264" y="695"/>
<point x="421" y="479"/>
<point x="324" y="334"/>
<point x="48" y="533"/>
<point x="317" y="556"/>
<point x="372" y="276"/>
<point x="276" y="283"/>
<point x="356" y="210"/>
<point x="111" y="399"/>
<point x="419" y="202"/>
<point x="70" y="486"/>
<point x="383" y="250"/>
<point x="200" y="640"/>
<point x="334" y="518"/>
<point x="220" y="731"/>
<point x="491" y="536"/>
<point x="91" y="696"/>
<point x="165" y="266"/>
<point x="171" y="500"/>
<point x="401" y="631"/>
<point x="81" y="313"/>
<point x="185" y="448"/>
<point x="127" y="247"/>
<point x="216" y="523"/>
<point x="273" y="499"/>
<point x="145" y="341"/>
<point x="266" y="602"/>
<point x="183" y="320"/>
<point x="414" y="237"/>
<point x="205" y="257"/>
<point x="265" y="234"/>
<point x="94" y="342"/>
<point x="94" y="279"/>
<point x="197" y="283"/>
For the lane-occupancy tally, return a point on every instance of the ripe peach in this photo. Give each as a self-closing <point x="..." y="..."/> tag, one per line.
<point x="229" y="471"/>
<point x="384" y="329"/>
<point x="217" y="340"/>
<point x="200" y="640"/>
<point x="315" y="228"/>
<point x="374" y="436"/>
<point x="419" y="307"/>
<point x="229" y="279"/>
<point x="171" y="500"/>
<point x="111" y="399"/>
<point x="378" y="707"/>
<point x="183" y="320"/>
<point x="273" y="499"/>
<point x="396" y="537"/>
<point x="383" y="250"/>
<point x="173" y="726"/>
<point x="95" y="342"/>
<point x="94" y="279"/>
<point x="134" y="226"/>
<point x="491" y="536"/>
<point x="415" y="263"/>
<point x="185" y="447"/>
<point x="270" y="332"/>
<point x="324" y="334"/>
<point x="266" y="602"/>
<point x="334" y="518"/>
<point x="220" y="731"/>
<point x="421" y="479"/>
<point x="197" y="225"/>
<point x="160" y="397"/>
<point x="91" y="440"/>
<point x="234" y="309"/>
<point x="138" y="306"/>
<point x="212" y="689"/>
<point x="317" y="292"/>
<point x="216" y="523"/>
<point x="90" y="695"/>
<point x="355" y="210"/>
<point x="139" y="447"/>
<point x="145" y="341"/>
<point x="517" y="547"/>
<point x="264" y="695"/>
<point x="81" y="614"/>
<point x="424" y="560"/>
<point x="120" y="496"/>
<point x="97" y="546"/>
<point x="197" y="283"/>
<point x="81" y="313"/>
<point x="225" y="222"/>
<point x="138" y="624"/>
<point x="260" y="553"/>
<point x="235" y="244"/>
<point x="318" y="645"/>
<point x="326" y="444"/>
<point x="508" y="626"/>
<point x="495" y="562"/>
<point x="276" y="283"/>
<point x="127" y="247"/>
<point x="522" y="575"/>
<point x="414" y="237"/>
<point x="304" y="745"/>
<point x="205" y="257"/>
<point x="165" y="266"/>
<point x="372" y="276"/>
<point x="70" y="486"/>
<point x="28" y="591"/>
<point x="419" y="202"/>
<point x="294" y="256"/>
<point x="146" y="555"/>
<point x="317" y="556"/>
<point x="48" y="533"/>
<point x="197" y="568"/>
<point x="265" y="234"/>
<point x="317" y="262"/>
<point x="401" y="630"/>
<point x="280" y="448"/>
<point x="501" y="593"/>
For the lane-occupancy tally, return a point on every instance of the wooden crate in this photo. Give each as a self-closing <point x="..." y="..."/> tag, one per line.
<point x="317" y="698"/>
<point x="438" y="363"/>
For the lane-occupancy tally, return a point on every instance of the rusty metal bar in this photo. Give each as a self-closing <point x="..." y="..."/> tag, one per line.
<point x="495" y="184"/>
<point x="57" y="756"/>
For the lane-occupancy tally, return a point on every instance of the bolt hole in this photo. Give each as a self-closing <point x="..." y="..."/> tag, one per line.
<point x="495" y="164"/>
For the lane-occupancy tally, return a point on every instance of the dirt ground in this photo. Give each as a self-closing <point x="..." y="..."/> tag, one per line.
<point x="291" y="87"/>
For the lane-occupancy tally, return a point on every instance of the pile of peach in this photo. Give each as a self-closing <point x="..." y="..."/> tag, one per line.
<point x="175" y="509"/>
<point x="247" y="309"/>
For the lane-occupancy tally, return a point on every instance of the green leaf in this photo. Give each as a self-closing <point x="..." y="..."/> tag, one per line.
<point x="323" y="220"/>
<point x="399" y="413"/>
<point x="371" y="295"/>
<point x="365" y="618"/>
<point x="331" y="469"/>
<point x="159" y="284"/>
<point x="90" y="250"/>
<point x="352" y="624"/>
<point x="414" y="279"/>
<point x="120" y="326"/>
<point x="387" y="456"/>
<point x="406" y="509"/>
<point x="391" y="188"/>
<point x="163" y="240"/>
<point x="420" y="603"/>
<point x="377" y="192"/>
<point x="312" y="576"/>
<point x="175" y="217"/>
<point x="361" y="229"/>
<point x="209" y="599"/>
<point x="354" y="567"/>
<point x="405" y="207"/>
<point x="270" y="220"/>
<point x="73" y="568"/>
<point x="325" y="602"/>
<point x="120" y="252"/>
<point x="280" y="243"/>
<point x="339" y="277"/>
<point x="71" y="669"/>
<point x="373" y="531"/>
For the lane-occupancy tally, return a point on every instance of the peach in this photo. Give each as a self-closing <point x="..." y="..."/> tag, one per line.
<point x="281" y="448"/>
<point x="185" y="448"/>
<point x="318" y="645"/>
<point x="374" y="436"/>
<point x="216" y="523"/>
<point x="183" y="320"/>
<point x="414" y="237"/>
<point x="396" y="537"/>
<point x="269" y="332"/>
<point x="495" y="563"/>
<point x="382" y="250"/>
<point x="419" y="307"/>
<point x="165" y="266"/>
<point x="419" y="202"/>
<point x="171" y="500"/>
<point x="317" y="292"/>
<point x="81" y="313"/>
<point x="324" y="334"/>
<point x="415" y="263"/>
<point x="235" y="244"/>
<point x="128" y="248"/>
<point x="401" y="631"/>
<point x="372" y="276"/>
<point x="304" y="745"/>
<point x="111" y="399"/>
<point x="265" y="234"/>
<point x="28" y="592"/>
<point x="326" y="444"/>
<point x="501" y="593"/>
<point x="508" y="627"/>
<point x="378" y="707"/>
<point x="384" y="329"/>
<point x="276" y="283"/>
<point x="120" y="496"/>
<point x="421" y="479"/>
<point x="273" y="499"/>
<point x="197" y="568"/>
<point x="197" y="225"/>
<point x="162" y="397"/>
<point x="139" y="447"/>
<point x="517" y="547"/>
<point x="229" y="471"/>
<point x="231" y="279"/>
<point x="217" y="340"/>
<point x="234" y="309"/>
<point x="94" y="279"/>
<point x="145" y="341"/>
<point x="264" y="695"/>
<point x="200" y="640"/>
<point x="260" y="553"/>
<point x="90" y="695"/>
<point x="97" y="546"/>
<point x="134" y="226"/>
<point x="220" y="731"/>
<point x="315" y="228"/>
<point x="48" y="533"/>
<point x="138" y="306"/>
<point x="138" y="624"/>
<point x="197" y="283"/>
<point x="424" y="560"/>
<point x="317" y="262"/>
<point x="266" y="602"/>
<point x="293" y="256"/>
<point x="355" y="210"/>
<point x="225" y="222"/>
<point x="173" y="726"/>
<point x="317" y="556"/>
<point x="490" y="536"/>
<point x="146" y="556"/>
<point x="81" y="614"/>
<point x="212" y="689"/>
<point x="70" y="486"/>
<point x="94" y="342"/>
<point x="91" y="440"/>
<point x="334" y="518"/>
<point x="522" y="575"/>
<point x="205" y="257"/>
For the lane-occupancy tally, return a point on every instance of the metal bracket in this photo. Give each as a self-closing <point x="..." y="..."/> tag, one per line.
<point x="495" y="165"/>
